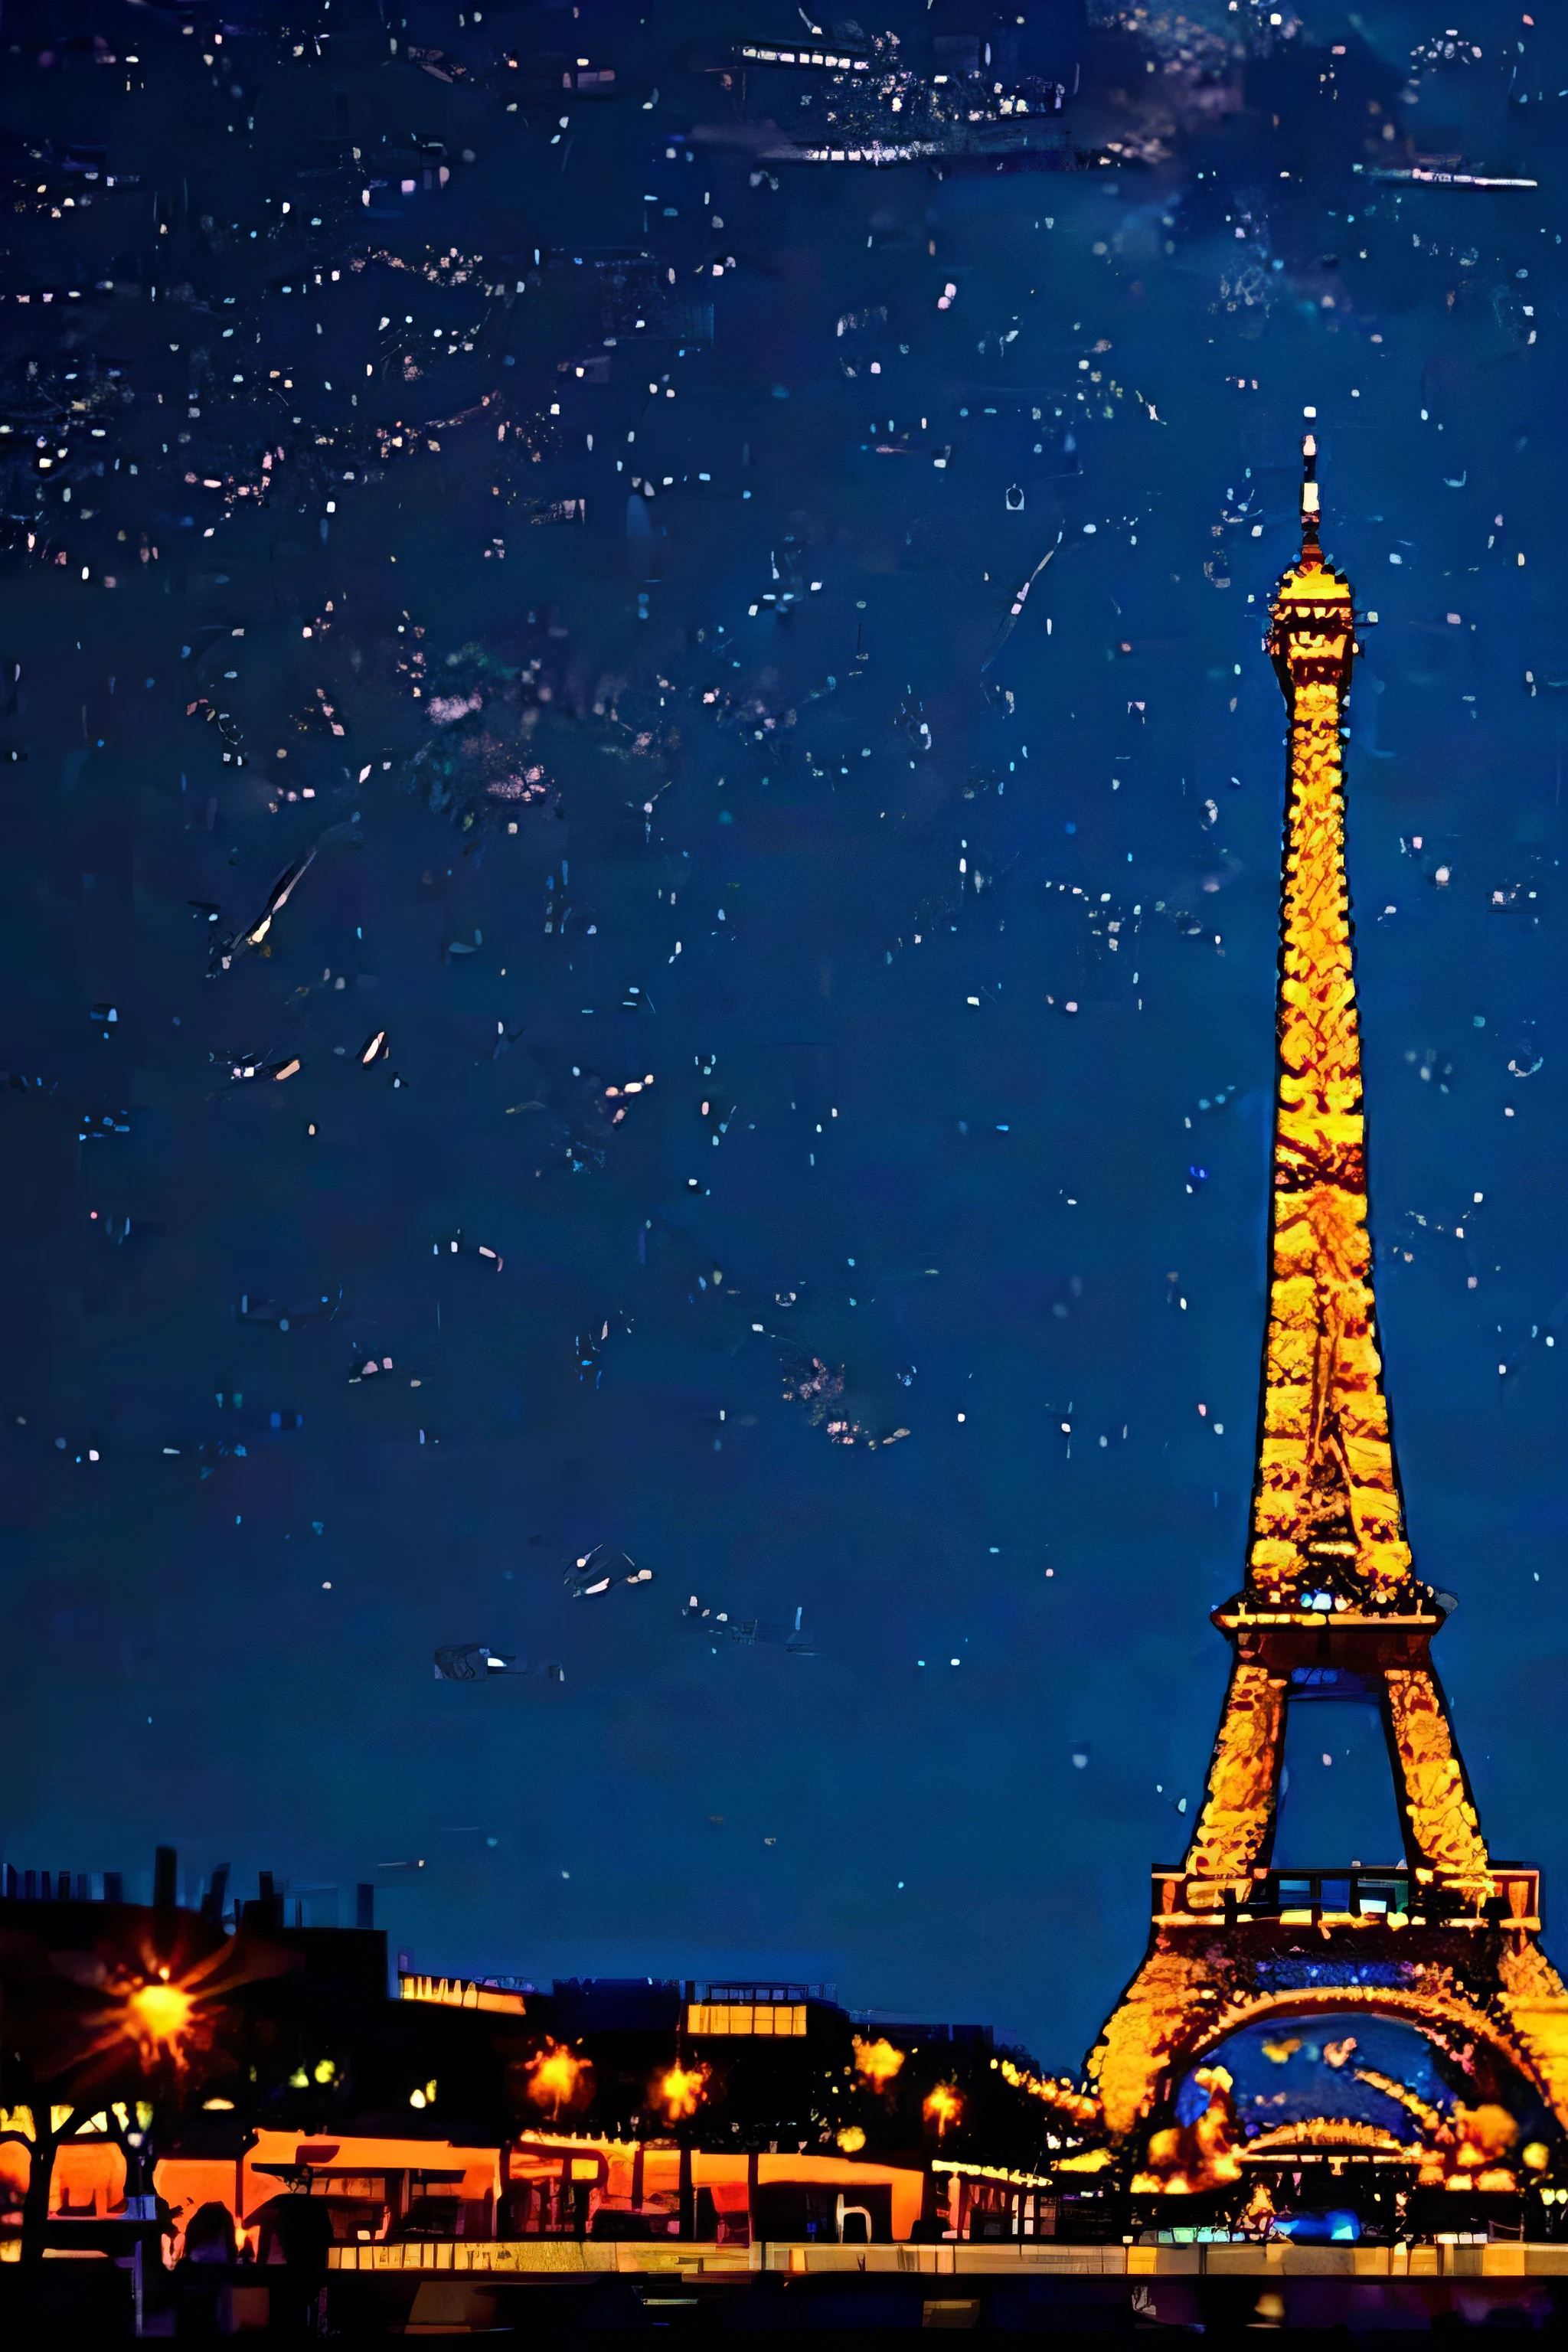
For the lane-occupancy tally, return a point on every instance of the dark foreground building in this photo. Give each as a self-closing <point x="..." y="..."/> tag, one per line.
<point x="212" y="2097"/>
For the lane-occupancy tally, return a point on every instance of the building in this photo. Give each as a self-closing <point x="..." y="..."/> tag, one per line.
<point x="277" y="2072"/>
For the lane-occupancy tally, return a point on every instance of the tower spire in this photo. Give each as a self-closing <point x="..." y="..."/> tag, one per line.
<point x="1310" y="497"/>
<point x="1327" y="1519"/>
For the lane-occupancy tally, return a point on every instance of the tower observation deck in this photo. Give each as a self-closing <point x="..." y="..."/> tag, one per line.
<point x="1444" y="1936"/>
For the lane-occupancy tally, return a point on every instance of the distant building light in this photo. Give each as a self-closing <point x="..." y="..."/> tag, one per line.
<point x="775" y="2018"/>
<point x="461" y="1992"/>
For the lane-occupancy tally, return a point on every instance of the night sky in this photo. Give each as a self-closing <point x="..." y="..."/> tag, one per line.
<point x="919" y="1287"/>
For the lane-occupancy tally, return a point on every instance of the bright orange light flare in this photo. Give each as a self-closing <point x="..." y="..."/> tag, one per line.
<point x="169" y="2007"/>
<point x="876" y="2062"/>
<point x="159" y="2019"/>
<point x="169" y="2018"/>
<point x="681" y="2091"/>
<point x="558" y="2078"/>
<point x="943" y="2106"/>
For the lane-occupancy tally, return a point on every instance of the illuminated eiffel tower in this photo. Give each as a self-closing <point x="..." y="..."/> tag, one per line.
<point x="1446" y="1938"/>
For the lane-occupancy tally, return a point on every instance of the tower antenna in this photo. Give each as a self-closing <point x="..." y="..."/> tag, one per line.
<point x="1310" y="548"/>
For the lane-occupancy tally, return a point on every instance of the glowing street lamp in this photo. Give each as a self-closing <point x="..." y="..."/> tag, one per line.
<point x="876" y="2062"/>
<point x="160" y="2018"/>
<point x="943" y="2105"/>
<point x="681" y="2091"/>
<point x="558" y="2078"/>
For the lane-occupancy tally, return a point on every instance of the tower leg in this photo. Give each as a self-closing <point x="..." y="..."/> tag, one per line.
<point x="1442" y="1831"/>
<point x="1236" y="1828"/>
<point x="1172" y="1998"/>
<point x="1535" y="2001"/>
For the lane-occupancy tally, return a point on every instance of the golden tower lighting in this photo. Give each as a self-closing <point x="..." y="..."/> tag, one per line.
<point x="1444" y="1937"/>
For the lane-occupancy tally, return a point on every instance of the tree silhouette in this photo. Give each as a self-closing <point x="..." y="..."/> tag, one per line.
<point x="107" y="2047"/>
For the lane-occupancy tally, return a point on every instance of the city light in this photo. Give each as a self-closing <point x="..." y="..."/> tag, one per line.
<point x="681" y="2091"/>
<point x="558" y="2078"/>
<point x="878" y="2061"/>
<point x="942" y="2106"/>
<point x="159" y="2019"/>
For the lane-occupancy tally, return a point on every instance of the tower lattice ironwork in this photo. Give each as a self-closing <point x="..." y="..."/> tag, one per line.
<point x="1446" y="1937"/>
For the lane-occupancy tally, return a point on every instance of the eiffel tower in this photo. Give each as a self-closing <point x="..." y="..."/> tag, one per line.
<point x="1446" y="1939"/>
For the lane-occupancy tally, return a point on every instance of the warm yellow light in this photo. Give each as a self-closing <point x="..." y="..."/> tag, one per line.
<point x="942" y="2106"/>
<point x="1076" y="2104"/>
<point x="878" y="2061"/>
<point x="681" y="2091"/>
<point x="1429" y="2118"/>
<point x="1187" y="2159"/>
<point x="157" y="2018"/>
<point x="1326" y="1511"/>
<point x="558" y="2078"/>
<point x="1329" y="1578"/>
<point x="1332" y="2132"/>
<point x="1485" y="2132"/>
<point x="851" y="2139"/>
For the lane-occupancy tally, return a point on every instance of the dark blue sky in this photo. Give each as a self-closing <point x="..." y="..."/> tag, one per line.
<point x="871" y="806"/>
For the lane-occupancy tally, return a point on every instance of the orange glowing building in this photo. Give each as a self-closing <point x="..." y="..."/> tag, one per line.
<point x="272" y="2099"/>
